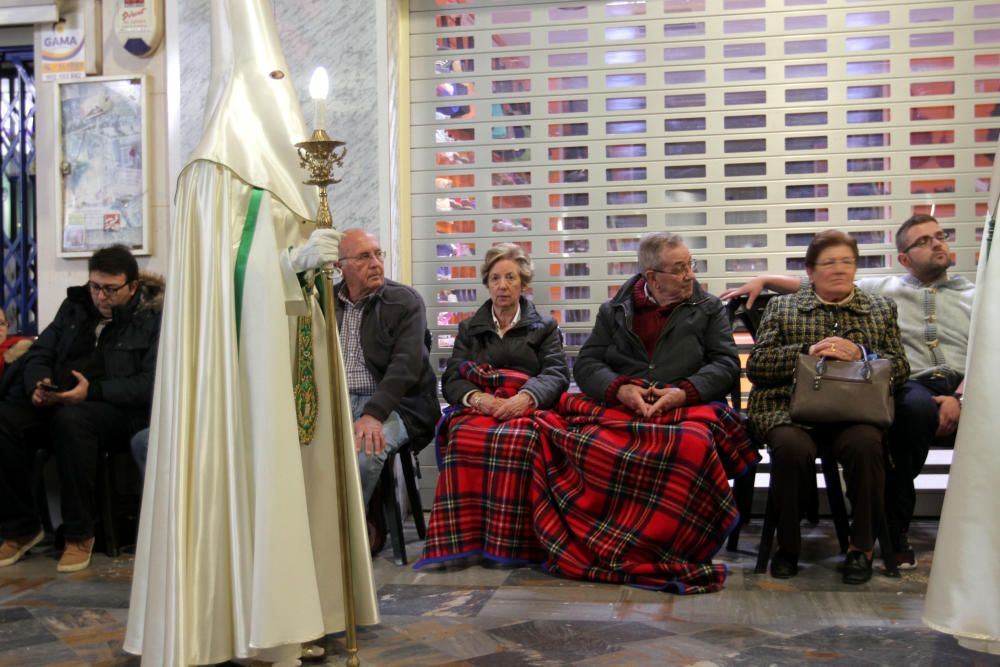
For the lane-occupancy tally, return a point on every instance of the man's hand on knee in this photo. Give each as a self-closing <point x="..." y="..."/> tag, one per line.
<point x="368" y="436"/>
<point x="949" y="411"/>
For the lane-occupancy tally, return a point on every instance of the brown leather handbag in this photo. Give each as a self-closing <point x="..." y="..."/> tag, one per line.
<point x="827" y="390"/>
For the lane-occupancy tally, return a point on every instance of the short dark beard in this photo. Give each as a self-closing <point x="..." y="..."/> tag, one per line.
<point x="933" y="274"/>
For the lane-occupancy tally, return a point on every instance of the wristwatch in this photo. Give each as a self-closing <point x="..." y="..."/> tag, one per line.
<point x="960" y="398"/>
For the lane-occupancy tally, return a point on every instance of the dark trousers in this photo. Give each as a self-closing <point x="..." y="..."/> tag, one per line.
<point x="858" y="448"/>
<point x="77" y="434"/>
<point x="910" y="438"/>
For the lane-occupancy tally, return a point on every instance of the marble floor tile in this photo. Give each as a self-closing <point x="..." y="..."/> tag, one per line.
<point x="19" y="628"/>
<point x="915" y="647"/>
<point x="471" y="614"/>
<point x="434" y="600"/>
<point x="50" y="653"/>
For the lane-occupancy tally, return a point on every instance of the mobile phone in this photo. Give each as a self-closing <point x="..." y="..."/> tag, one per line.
<point x="50" y="387"/>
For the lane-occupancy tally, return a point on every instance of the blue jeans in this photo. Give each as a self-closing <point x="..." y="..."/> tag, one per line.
<point x="911" y="436"/>
<point x="140" y="445"/>
<point x="394" y="432"/>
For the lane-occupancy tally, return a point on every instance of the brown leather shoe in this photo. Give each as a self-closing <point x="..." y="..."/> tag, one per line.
<point x="376" y="538"/>
<point x="13" y="550"/>
<point x="76" y="556"/>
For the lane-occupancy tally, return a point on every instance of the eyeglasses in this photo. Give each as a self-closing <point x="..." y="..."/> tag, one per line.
<point x="927" y="239"/>
<point x="679" y="269"/>
<point x="106" y="290"/>
<point x="830" y="263"/>
<point x="366" y="257"/>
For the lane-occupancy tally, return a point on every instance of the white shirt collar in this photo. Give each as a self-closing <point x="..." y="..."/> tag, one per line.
<point x="517" y="317"/>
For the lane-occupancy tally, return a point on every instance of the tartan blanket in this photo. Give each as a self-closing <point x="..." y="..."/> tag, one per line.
<point x="588" y="491"/>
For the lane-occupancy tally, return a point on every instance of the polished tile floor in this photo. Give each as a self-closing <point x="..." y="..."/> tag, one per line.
<point x="478" y="615"/>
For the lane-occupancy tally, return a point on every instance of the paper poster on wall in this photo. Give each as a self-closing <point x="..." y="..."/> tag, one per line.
<point x="103" y="165"/>
<point x="62" y="56"/>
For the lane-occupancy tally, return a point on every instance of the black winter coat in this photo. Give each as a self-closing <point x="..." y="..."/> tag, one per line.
<point x="124" y="358"/>
<point x="532" y="346"/>
<point x="696" y="345"/>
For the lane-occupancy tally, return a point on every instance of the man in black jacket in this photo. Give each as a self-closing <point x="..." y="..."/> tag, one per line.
<point x="87" y="385"/>
<point x="383" y="325"/>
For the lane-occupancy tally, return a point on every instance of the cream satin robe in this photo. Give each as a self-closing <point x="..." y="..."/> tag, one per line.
<point x="238" y="545"/>
<point x="963" y="594"/>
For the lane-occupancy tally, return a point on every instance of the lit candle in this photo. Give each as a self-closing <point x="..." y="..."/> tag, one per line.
<point x="319" y="86"/>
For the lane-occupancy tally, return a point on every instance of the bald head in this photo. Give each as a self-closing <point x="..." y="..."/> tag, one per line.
<point x="361" y="263"/>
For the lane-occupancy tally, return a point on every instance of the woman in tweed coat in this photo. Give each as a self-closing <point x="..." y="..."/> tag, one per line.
<point x="829" y="319"/>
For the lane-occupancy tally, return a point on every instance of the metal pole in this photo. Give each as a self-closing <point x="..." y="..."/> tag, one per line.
<point x="333" y="348"/>
<point x="319" y="154"/>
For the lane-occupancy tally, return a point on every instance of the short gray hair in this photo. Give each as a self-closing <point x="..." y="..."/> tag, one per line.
<point x="651" y="246"/>
<point x="514" y="253"/>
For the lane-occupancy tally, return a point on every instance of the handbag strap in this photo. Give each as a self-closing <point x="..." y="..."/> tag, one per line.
<point x="821" y="367"/>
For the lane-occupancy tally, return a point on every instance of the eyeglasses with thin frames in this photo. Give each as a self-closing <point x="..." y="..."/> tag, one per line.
<point x="679" y="270"/>
<point x="107" y="290"/>
<point x="830" y="263"/>
<point x="927" y="239"/>
<point x="366" y="257"/>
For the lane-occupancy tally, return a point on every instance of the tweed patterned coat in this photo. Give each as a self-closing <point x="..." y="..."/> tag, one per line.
<point x="791" y="324"/>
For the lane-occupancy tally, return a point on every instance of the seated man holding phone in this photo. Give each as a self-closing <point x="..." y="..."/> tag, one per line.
<point x="86" y="387"/>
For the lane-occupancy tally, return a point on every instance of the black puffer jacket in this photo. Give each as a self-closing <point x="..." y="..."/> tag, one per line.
<point x="532" y="346"/>
<point x="123" y="364"/>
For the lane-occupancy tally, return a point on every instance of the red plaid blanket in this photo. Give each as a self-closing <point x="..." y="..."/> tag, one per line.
<point x="588" y="491"/>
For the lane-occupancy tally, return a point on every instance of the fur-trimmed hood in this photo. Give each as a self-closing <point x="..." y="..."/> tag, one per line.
<point x="151" y="289"/>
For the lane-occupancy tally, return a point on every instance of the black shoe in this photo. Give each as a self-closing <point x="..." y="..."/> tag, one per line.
<point x="906" y="558"/>
<point x="784" y="565"/>
<point x="857" y="568"/>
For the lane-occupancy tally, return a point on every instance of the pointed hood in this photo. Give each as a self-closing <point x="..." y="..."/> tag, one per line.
<point x="254" y="118"/>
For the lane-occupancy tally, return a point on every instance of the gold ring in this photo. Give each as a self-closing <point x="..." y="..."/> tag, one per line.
<point x="834" y="347"/>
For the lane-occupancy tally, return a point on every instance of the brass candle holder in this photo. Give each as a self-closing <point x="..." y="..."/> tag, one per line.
<point x="319" y="155"/>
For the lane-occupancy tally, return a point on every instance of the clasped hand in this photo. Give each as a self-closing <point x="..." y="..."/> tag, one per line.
<point x="503" y="409"/>
<point x="836" y="347"/>
<point x="652" y="401"/>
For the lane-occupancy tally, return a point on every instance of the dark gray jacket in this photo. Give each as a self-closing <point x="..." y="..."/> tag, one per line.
<point x="532" y="346"/>
<point x="396" y="346"/>
<point x="696" y="345"/>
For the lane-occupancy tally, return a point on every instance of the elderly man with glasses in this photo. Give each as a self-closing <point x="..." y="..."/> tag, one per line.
<point x="662" y="329"/>
<point x="383" y="326"/>
<point x="87" y="386"/>
<point x="935" y="311"/>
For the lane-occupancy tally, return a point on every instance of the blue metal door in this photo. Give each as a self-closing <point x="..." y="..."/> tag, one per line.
<point x="17" y="210"/>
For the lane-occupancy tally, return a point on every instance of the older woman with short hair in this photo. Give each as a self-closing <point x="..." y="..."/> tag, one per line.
<point x="507" y="363"/>
<point x="829" y="319"/>
<point x="507" y="332"/>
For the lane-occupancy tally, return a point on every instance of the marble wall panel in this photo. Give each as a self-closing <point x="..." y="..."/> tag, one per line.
<point x="341" y="36"/>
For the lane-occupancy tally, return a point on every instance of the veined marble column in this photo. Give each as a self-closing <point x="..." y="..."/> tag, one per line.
<point x="343" y="36"/>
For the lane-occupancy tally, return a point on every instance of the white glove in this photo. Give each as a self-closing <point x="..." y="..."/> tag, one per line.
<point x="322" y="247"/>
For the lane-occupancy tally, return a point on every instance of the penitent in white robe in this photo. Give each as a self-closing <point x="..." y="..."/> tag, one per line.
<point x="238" y="548"/>
<point x="963" y="593"/>
<point x="239" y="552"/>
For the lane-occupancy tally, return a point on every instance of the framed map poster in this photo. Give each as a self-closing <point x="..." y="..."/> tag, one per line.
<point x="103" y="165"/>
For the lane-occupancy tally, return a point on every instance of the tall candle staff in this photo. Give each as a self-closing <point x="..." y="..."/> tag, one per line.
<point x="319" y="155"/>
